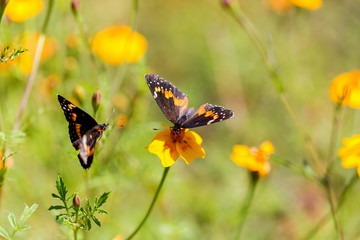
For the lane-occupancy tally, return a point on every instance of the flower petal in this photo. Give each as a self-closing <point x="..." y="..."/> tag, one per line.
<point x="189" y="148"/>
<point x="163" y="146"/>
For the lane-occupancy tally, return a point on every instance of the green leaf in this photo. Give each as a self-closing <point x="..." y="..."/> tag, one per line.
<point x="56" y="207"/>
<point x="28" y="211"/>
<point x="55" y="196"/>
<point x="3" y="233"/>
<point x="101" y="211"/>
<point x="88" y="223"/>
<point x="23" y="227"/>
<point x="12" y="220"/>
<point x="96" y="221"/>
<point x="61" y="188"/>
<point x="101" y="200"/>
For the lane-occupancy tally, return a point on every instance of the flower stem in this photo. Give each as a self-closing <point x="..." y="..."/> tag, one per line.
<point x="166" y="170"/>
<point x="271" y="65"/>
<point x="35" y="66"/>
<point x="254" y="177"/>
<point x="330" y="196"/>
<point x="342" y="199"/>
<point x="3" y="4"/>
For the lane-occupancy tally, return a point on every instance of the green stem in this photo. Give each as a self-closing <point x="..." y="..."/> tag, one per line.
<point x="333" y="138"/>
<point x="35" y="66"/>
<point x="254" y="177"/>
<point x="166" y="170"/>
<point x="3" y="4"/>
<point x="331" y="199"/>
<point x="75" y="233"/>
<point x="342" y="199"/>
<point x="87" y="182"/>
<point x="271" y="65"/>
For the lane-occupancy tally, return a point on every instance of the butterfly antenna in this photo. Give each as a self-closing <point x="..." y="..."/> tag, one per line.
<point x="112" y="112"/>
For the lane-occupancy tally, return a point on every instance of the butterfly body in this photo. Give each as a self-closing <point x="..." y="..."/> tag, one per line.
<point x="174" y="103"/>
<point x="83" y="130"/>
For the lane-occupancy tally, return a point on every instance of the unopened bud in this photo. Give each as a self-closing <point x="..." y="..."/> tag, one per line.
<point x="226" y="3"/>
<point x="96" y="100"/>
<point x="75" y="5"/>
<point x="76" y="201"/>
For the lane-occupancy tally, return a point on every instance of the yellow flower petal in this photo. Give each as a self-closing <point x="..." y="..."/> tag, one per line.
<point x="118" y="44"/>
<point x="308" y="4"/>
<point x="189" y="148"/>
<point x="345" y="89"/>
<point x="21" y="10"/>
<point x="350" y="152"/>
<point x="252" y="158"/>
<point x="163" y="146"/>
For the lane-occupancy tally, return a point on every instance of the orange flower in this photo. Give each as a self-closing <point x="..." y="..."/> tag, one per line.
<point x="345" y="89"/>
<point x="308" y="4"/>
<point x="280" y="6"/>
<point x="118" y="44"/>
<point x="254" y="159"/>
<point x="29" y="41"/>
<point x="169" y="146"/>
<point x="21" y="10"/>
<point x="121" y="120"/>
<point x="350" y="153"/>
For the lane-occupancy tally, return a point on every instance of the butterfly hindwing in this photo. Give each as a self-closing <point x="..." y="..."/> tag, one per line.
<point x="79" y="121"/>
<point x="205" y="115"/>
<point x="171" y="100"/>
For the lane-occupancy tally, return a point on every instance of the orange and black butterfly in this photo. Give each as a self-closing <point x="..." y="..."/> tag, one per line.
<point x="174" y="105"/>
<point x="83" y="130"/>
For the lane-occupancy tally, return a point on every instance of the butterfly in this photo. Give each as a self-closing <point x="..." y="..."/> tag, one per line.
<point x="84" y="131"/>
<point x="174" y="105"/>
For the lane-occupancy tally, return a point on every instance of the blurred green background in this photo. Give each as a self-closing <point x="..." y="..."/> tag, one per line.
<point x="198" y="47"/>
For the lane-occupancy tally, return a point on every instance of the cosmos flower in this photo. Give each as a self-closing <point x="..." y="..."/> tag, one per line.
<point x="350" y="153"/>
<point x="21" y="10"/>
<point x="254" y="159"/>
<point x="345" y="89"/>
<point x="169" y="146"/>
<point x="118" y="44"/>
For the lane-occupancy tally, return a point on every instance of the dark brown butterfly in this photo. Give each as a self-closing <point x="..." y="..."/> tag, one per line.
<point x="83" y="130"/>
<point x="174" y="105"/>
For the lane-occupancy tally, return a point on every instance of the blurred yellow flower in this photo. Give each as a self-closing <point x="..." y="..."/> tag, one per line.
<point x="254" y="159"/>
<point x="345" y="89"/>
<point x="308" y="4"/>
<point x="280" y="6"/>
<point x="350" y="153"/>
<point x="47" y="85"/>
<point x="29" y="42"/>
<point x="118" y="44"/>
<point x="169" y="145"/>
<point x="118" y="237"/>
<point x="21" y="10"/>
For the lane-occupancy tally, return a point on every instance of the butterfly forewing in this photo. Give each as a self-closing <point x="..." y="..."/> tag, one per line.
<point x="207" y="114"/>
<point x="171" y="101"/>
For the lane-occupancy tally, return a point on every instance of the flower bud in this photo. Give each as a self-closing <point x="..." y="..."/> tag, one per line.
<point x="75" y="5"/>
<point x="76" y="201"/>
<point x="96" y="100"/>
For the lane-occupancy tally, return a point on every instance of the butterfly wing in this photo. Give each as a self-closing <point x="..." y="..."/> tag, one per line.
<point x="87" y="147"/>
<point x="171" y="100"/>
<point x="79" y="121"/>
<point x="205" y="115"/>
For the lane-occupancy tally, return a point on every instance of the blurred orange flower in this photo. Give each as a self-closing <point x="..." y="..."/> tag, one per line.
<point x="280" y="6"/>
<point x="118" y="44"/>
<point x="350" y="153"/>
<point x="169" y="146"/>
<point x="121" y="121"/>
<point x="308" y="4"/>
<point x="21" y="10"/>
<point x="254" y="159"/>
<point x="345" y="89"/>
<point x="29" y="42"/>
<point x="284" y="6"/>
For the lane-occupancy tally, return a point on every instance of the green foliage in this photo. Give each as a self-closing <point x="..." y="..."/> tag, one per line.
<point x="18" y="225"/>
<point x="8" y="54"/>
<point x="73" y="214"/>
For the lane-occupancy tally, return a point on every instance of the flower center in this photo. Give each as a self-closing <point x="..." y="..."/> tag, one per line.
<point x="177" y="133"/>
